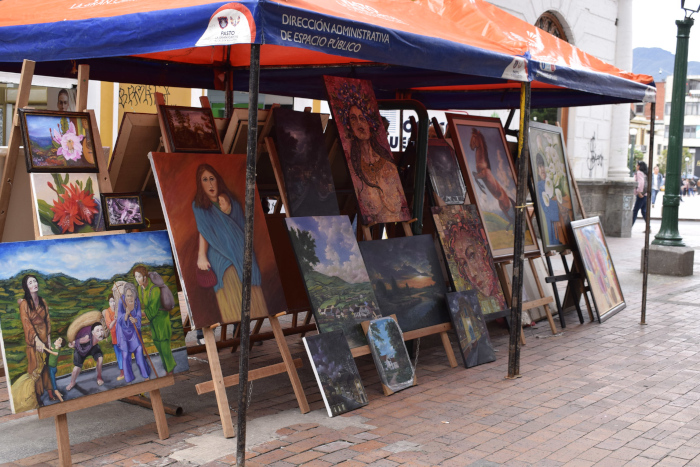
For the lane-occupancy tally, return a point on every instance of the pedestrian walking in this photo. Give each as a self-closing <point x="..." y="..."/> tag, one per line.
<point x="640" y="191"/>
<point x="657" y="181"/>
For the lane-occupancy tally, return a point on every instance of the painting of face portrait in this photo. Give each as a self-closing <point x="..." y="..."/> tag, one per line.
<point x="58" y="141"/>
<point x="367" y="151"/>
<point x="470" y="327"/>
<point x="550" y="172"/>
<point x="389" y="354"/>
<point x="67" y="203"/>
<point x="599" y="267"/>
<point x="81" y="316"/>
<point x="336" y="372"/>
<point x="407" y="280"/>
<point x="191" y="129"/>
<point x="481" y="146"/>
<point x="203" y="197"/>
<point x="445" y="175"/>
<point x="334" y="274"/>
<point x="304" y="161"/>
<point x="468" y="256"/>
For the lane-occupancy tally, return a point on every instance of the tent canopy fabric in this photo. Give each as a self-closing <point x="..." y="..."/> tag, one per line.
<point x="446" y="53"/>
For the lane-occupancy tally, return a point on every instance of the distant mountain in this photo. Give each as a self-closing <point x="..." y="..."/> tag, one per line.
<point x="658" y="63"/>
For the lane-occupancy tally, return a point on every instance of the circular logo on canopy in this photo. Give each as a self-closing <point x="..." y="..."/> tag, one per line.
<point x="230" y="24"/>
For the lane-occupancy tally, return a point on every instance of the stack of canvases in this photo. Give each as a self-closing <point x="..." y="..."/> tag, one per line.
<point x="82" y="312"/>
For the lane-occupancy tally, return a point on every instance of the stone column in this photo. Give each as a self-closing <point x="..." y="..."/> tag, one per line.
<point x="619" y="135"/>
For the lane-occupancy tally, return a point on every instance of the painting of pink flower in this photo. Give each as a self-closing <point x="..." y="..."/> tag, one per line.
<point x="71" y="144"/>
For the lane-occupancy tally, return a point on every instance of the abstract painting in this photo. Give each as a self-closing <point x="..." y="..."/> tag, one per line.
<point x="600" y="271"/>
<point x="445" y="174"/>
<point x="305" y="166"/>
<point x="407" y="280"/>
<point x="550" y="172"/>
<point x="190" y="129"/>
<point x="67" y="203"/>
<point x="483" y="155"/>
<point x="389" y="353"/>
<point x="58" y="141"/>
<point x="467" y="254"/>
<point x="371" y="164"/>
<point x="81" y="316"/>
<point x="470" y="327"/>
<point x="203" y="197"/>
<point x="123" y="211"/>
<point x="336" y="372"/>
<point x="334" y="275"/>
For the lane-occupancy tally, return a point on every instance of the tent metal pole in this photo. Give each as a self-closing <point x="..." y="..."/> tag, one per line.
<point x="647" y="220"/>
<point x="228" y="97"/>
<point x="243" y="384"/>
<point x="523" y="169"/>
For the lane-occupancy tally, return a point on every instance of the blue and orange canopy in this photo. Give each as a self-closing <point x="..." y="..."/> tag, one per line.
<point x="448" y="53"/>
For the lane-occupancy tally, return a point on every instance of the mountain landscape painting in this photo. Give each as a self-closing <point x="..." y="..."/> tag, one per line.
<point x="334" y="274"/>
<point x="407" y="280"/>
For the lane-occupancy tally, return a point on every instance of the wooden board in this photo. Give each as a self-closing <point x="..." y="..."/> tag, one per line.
<point x="258" y="373"/>
<point x="139" y="134"/>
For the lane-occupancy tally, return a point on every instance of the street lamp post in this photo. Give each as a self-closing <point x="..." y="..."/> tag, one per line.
<point x="668" y="234"/>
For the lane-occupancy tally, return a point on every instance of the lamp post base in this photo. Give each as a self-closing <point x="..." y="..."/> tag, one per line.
<point x="670" y="260"/>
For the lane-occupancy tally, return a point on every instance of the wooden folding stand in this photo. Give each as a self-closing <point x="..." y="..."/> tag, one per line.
<point x="60" y="411"/>
<point x="219" y="383"/>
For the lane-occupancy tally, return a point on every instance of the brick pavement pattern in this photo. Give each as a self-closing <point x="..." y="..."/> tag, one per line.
<point x="606" y="395"/>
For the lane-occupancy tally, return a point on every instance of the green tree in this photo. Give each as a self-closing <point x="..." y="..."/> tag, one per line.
<point x="305" y="248"/>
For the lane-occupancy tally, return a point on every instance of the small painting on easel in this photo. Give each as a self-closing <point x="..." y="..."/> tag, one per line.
<point x="58" y="141"/>
<point x="84" y="315"/>
<point x="123" y="211"/>
<point x="191" y="129"/>
<point x="67" y="203"/>
<point x="445" y="174"/>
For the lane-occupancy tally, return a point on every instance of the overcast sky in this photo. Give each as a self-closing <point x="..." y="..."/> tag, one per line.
<point x="655" y="26"/>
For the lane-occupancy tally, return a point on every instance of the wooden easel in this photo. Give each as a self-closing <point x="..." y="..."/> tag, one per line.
<point x="385" y="388"/>
<point x="60" y="411"/>
<point x="219" y="383"/>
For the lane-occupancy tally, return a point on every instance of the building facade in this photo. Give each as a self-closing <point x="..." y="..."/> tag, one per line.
<point x="691" y="125"/>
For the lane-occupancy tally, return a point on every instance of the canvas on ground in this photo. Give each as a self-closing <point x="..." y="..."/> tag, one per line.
<point x="336" y="372"/>
<point x="67" y="203"/>
<point x="598" y="264"/>
<point x="203" y="197"/>
<point x="389" y="353"/>
<point x="334" y="274"/>
<point x="467" y="254"/>
<point x="81" y="316"/>
<point x="304" y="161"/>
<point x="407" y="280"/>
<point x="367" y="151"/>
<point x="470" y="327"/>
<point x="483" y="154"/>
<point x="550" y="172"/>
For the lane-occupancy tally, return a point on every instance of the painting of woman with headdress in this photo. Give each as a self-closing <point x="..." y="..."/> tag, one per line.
<point x="371" y="164"/>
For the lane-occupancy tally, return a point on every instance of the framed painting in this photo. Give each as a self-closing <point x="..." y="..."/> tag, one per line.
<point x="468" y="257"/>
<point x="202" y="196"/>
<point x="371" y="164"/>
<point x="123" y="211"/>
<point x="483" y="153"/>
<point x="389" y="353"/>
<point x="407" y="280"/>
<point x="304" y="162"/>
<point x="336" y="373"/>
<point x="470" y="328"/>
<point x="98" y="313"/>
<point x="334" y="275"/>
<point x="190" y="129"/>
<point x="550" y="174"/>
<point x="58" y="141"/>
<point x="598" y="264"/>
<point x="445" y="175"/>
<point x="67" y="203"/>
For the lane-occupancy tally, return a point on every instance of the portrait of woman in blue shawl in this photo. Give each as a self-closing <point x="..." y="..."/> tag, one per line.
<point x="220" y="222"/>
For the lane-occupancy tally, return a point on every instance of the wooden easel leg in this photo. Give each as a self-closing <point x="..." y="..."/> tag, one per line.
<point x="448" y="349"/>
<point x="536" y="276"/>
<point x="218" y="380"/>
<point x="295" y="319"/>
<point x="307" y="320"/>
<point x="64" y="458"/>
<point x="256" y="330"/>
<point x="224" y="331"/>
<point x="578" y="307"/>
<point x="555" y="290"/>
<point x="289" y="364"/>
<point x="522" y="337"/>
<point x="236" y="333"/>
<point x="159" y="414"/>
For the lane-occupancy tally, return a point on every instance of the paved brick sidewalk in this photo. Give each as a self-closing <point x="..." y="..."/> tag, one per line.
<point x="609" y="395"/>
